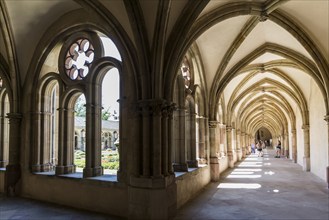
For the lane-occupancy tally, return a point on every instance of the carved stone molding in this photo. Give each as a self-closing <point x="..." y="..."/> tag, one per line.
<point x="213" y="124"/>
<point x="326" y="118"/>
<point x="306" y="127"/>
<point x="14" y="118"/>
<point x="263" y="16"/>
<point x="229" y="128"/>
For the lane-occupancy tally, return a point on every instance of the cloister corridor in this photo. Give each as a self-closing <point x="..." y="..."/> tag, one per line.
<point x="261" y="188"/>
<point x="256" y="188"/>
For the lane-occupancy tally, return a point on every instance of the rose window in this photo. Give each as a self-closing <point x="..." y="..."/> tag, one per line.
<point x="78" y="59"/>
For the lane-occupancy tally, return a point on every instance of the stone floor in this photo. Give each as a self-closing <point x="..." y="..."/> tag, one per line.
<point x="261" y="188"/>
<point x="257" y="188"/>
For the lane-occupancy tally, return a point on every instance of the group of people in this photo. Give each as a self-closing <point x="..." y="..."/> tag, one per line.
<point x="260" y="145"/>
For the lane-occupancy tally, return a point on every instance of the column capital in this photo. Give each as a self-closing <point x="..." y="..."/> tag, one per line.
<point x="213" y="124"/>
<point x="326" y="118"/>
<point x="306" y="127"/>
<point x="14" y="117"/>
<point x="151" y="106"/>
<point x="229" y="128"/>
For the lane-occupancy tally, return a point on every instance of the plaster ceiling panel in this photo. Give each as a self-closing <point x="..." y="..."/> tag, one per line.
<point x="266" y="31"/>
<point x="214" y="43"/>
<point x="118" y="9"/>
<point x="302" y="80"/>
<point x="230" y="87"/>
<point x="266" y="57"/>
<point x="29" y="20"/>
<point x="149" y="8"/>
<point x="175" y="11"/>
<point x="3" y="50"/>
<point x="313" y="17"/>
<point x="260" y="76"/>
<point x="213" y="4"/>
<point x="291" y="102"/>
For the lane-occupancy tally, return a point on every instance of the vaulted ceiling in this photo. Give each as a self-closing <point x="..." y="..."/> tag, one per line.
<point x="252" y="51"/>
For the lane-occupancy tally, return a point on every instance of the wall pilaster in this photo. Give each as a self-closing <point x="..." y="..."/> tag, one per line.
<point x="230" y="151"/>
<point x="13" y="169"/>
<point x="306" y="158"/>
<point x="294" y="145"/>
<point x="214" y="151"/>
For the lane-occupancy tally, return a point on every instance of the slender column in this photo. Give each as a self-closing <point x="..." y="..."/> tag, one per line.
<point x="306" y="159"/>
<point x="243" y="146"/>
<point x="144" y="108"/>
<point x="180" y="165"/>
<point x="170" y="111"/>
<point x="222" y="140"/>
<point x="93" y="140"/>
<point x="214" y="152"/>
<point x="66" y="142"/>
<point x="230" y="151"/>
<point x="201" y="140"/>
<point x="13" y="170"/>
<point x="238" y="144"/>
<point x="286" y="145"/>
<point x="326" y="118"/>
<point x="164" y="140"/>
<point x="192" y="162"/>
<point x="294" y="145"/>
<point x="157" y="106"/>
<point x="3" y="160"/>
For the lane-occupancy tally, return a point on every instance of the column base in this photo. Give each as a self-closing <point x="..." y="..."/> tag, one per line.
<point x="306" y="164"/>
<point x="239" y="154"/>
<point x="42" y="167"/>
<point x="152" y="198"/>
<point x="12" y="176"/>
<point x="244" y="153"/>
<point x="294" y="158"/>
<point x="214" y="169"/>
<point x="91" y="172"/>
<point x="202" y="161"/>
<point x="230" y="155"/>
<point x="180" y="167"/>
<point x="60" y="170"/>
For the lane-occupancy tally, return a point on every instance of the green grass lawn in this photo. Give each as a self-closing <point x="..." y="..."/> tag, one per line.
<point x="110" y="159"/>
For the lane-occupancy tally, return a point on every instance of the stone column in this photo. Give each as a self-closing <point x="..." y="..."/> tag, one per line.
<point x="13" y="169"/>
<point x="238" y="144"/>
<point x="180" y="165"/>
<point x="294" y="145"/>
<point x="148" y="195"/>
<point x="201" y="140"/>
<point x="214" y="152"/>
<point x="286" y="145"/>
<point x="156" y="156"/>
<point x="170" y="111"/>
<point x="93" y="141"/>
<point x="230" y="151"/>
<point x="306" y="159"/>
<point x="222" y="140"/>
<point x="326" y="118"/>
<point x="3" y="159"/>
<point x="192" y="161"/>
<point x="66" y="142"/>
<point x="164" y="140"/>
<point x="243" y="145"/>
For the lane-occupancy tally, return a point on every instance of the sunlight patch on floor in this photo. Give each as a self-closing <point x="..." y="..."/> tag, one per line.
<point x="239" y="186"/>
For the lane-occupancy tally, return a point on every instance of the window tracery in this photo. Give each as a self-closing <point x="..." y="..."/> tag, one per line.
<point x="78" y="59"/>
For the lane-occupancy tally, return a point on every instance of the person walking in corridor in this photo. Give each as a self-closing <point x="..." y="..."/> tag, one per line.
<point x="278" y="150"/>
